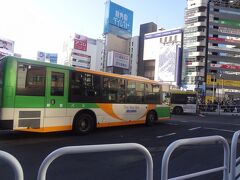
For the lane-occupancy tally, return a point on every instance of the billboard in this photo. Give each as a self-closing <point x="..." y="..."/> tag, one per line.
<point x="224" y="40"/>
<point x="80" y="42"/>
<point x="51" y="57"/>
<point x="118" y="20"/>
<point x="226" y="66"/>
<point x="6" y="47"/>
<point x="47" y="57"/>
<point x="116" y="59"/>
<point x="166" y="64"/>
<point x="41" y="56"/>
<point x="163" y="33"/>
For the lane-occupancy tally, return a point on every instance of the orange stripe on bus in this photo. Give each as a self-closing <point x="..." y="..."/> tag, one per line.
<point x="47" y="129"/>
<point x="111" y="124"/>
<point x="107" y="108"/>
<point x="115" y="75"/>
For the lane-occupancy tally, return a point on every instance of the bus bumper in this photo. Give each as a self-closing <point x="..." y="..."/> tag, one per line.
<point x="6" y="124"/>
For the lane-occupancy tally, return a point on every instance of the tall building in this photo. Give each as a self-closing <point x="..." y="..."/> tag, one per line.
<point x="117" y="33"/>
<point x="84" y="52"/>
<point x="144" y="29"/>
<point x="162" y="53"/>
<point x="211" y="58"/>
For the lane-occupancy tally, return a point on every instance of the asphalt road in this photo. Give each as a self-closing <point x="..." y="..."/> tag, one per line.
<point x="31" y="149"/>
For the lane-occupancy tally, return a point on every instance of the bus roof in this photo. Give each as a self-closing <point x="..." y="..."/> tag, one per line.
<point x="182" y="92"/>
<point x="128" y="77"/>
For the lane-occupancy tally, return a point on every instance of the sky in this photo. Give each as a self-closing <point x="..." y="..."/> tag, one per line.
<point x="42" y="25"/>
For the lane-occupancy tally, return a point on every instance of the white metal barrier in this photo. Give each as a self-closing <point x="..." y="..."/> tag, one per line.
<point x="13" y="162"/>
<point x="197" y="141"/>
<point x="234" y="160"/>
<point x="96" y="148"/>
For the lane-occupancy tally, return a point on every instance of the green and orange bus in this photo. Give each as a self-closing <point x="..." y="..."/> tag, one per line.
<point x="42" y="97"/>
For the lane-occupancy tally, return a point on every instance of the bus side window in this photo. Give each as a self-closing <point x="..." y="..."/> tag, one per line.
<point x="121" y="91"/>
<point x="57" y="84"/>
<point x="30" y="80"/>
<point x="131" y="92"/>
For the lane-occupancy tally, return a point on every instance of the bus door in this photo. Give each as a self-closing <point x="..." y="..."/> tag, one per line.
<point x="56" y="97"/>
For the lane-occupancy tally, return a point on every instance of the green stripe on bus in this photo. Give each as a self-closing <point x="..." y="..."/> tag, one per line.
<point x="163" y="111"/>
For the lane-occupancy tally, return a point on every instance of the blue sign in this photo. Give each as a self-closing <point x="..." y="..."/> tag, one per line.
<point x="118" y="20"/>
<point x="163" y="33"/>
<point x="52" y="57"/>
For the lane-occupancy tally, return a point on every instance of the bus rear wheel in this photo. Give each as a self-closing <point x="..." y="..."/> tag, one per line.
<point x="178" y="110"/>
<point x="151" y="118"/>
<point x="83" y="124"/>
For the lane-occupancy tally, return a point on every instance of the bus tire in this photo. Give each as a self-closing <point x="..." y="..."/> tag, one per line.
<point x="83" y="124"/>
<point x="151" y="118"/>
<point x="178" y="110"/>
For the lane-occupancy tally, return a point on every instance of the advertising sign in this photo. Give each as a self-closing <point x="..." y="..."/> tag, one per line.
<point x="47" y="57"/>
<point x="80" y="42"/>
<point x="224" y="82"/>
<point x="223" y="49"/>
<point x="229" y="30"/>
<point x="228" y="22"/>
<point x="224" y="40"/>
<point x="81" y="57"/>
<point x="52" y="58"/>
<point x="226" y="66"/>
<point x="6" y="46"/>
<point x="41" y="56"/>
<point x="165" y="66"/>
<point x="117" y="59"/>
<point x="163" y="33"/>
<point x="118" y="20"/>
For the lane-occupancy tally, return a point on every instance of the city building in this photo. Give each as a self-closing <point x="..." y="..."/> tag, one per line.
<point x="162" y="56"/>
<point x="118" y="39"/>
<point x="6" y="47"/>
<point x="84" y="52"/>
<point x="211" y="57"/>
<point x="144" y="66"/>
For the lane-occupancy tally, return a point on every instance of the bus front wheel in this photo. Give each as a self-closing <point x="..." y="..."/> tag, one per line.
<point x="83" y="124"/>
<point x="178" y="110"/>
<point x="151" y="118"/>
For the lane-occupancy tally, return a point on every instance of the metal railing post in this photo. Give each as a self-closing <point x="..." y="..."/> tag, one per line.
<point x="93" y="149"/>
<point x="233" y="160"/>
<point x="14" y="163"/>
<point x="196" y="141"/>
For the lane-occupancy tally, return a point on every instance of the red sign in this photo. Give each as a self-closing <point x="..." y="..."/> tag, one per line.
<point x="226" y="66"/>
<point x="224" y="40"/>
<point x="80" y="44"/>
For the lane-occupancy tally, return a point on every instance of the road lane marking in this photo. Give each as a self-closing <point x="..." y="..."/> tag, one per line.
<point x="183" y="121"/>
<point x="166" y="135"/>
<point x="225" y="130"/>
<point x="192" y="129"/>
<point x="173" y="124"/>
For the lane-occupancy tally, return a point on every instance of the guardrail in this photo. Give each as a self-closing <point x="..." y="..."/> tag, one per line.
<point x="219" y="109"/>
<point x="197" y="141"/>
<point x="96" y="148"/>
<point x="230" y="161"/>
<point x="234" y="160"/>
<point x="13" y="162"/>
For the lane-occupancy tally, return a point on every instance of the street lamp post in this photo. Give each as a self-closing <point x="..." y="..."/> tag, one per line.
<point x="222" y="96"/>
<point x="213" y="94"/>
